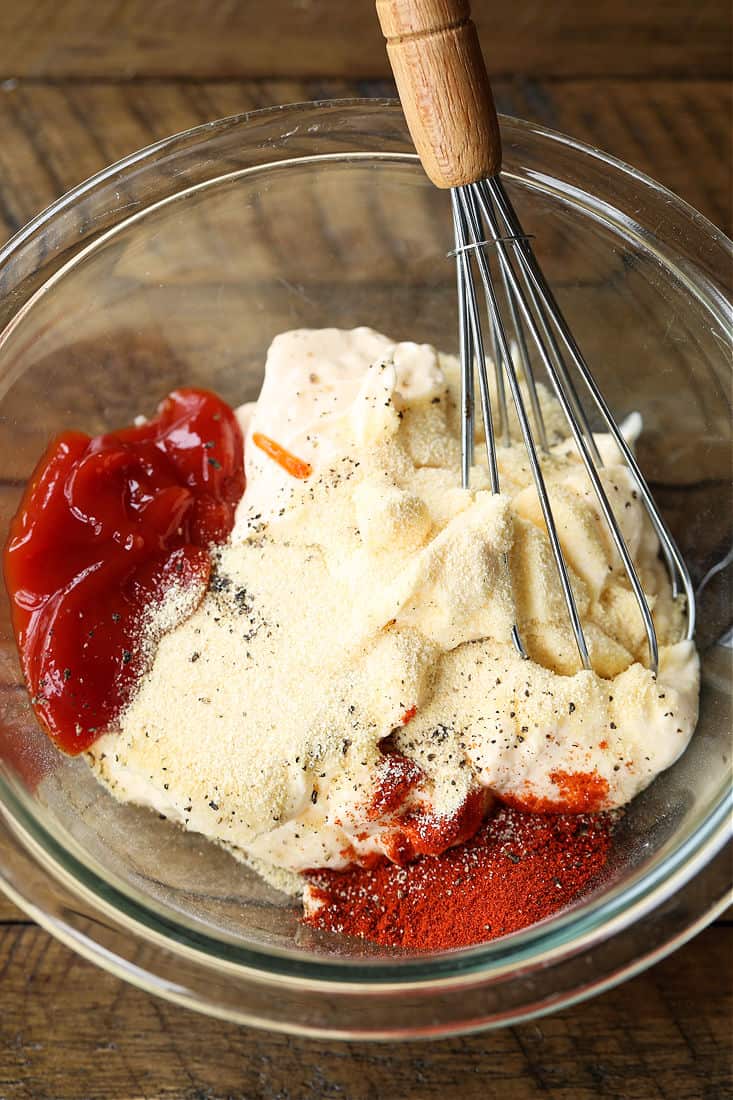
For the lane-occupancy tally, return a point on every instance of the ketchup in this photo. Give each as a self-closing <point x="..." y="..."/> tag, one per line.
<point x="105" y="527"/>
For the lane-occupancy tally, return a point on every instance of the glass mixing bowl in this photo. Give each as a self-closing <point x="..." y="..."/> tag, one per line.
<point x="177" y="266"/>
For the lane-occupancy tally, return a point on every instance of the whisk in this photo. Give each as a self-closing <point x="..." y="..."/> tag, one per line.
<point x="442" y="82"/>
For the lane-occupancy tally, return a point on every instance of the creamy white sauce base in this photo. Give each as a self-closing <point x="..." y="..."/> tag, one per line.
<point x="385" y="587"/>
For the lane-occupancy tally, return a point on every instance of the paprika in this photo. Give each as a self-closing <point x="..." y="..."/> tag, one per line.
<point x="519" y="868"/>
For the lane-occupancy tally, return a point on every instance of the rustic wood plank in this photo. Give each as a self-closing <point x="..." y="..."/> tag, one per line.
<point x="678" y="132"/>
<point x="203" y="38"/>
<point x="664" y="1035"/>
<point x="56" y="135"/>
<point x="10" y="913"/>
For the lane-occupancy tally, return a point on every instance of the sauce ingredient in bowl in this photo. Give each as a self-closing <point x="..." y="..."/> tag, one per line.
<point x="519" y="868"/>
<point x="107" y="528"/>
<point x="346" y="692"/>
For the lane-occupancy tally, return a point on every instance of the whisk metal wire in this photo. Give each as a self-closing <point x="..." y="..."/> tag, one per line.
<point x="444" y="87"/>
<point x="485" y="221"/>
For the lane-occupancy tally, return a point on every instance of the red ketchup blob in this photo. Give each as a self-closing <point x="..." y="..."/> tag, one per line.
<point x="105" y="527"/>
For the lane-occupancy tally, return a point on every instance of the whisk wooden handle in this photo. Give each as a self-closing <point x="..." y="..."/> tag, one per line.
<point x="442" y="82"/>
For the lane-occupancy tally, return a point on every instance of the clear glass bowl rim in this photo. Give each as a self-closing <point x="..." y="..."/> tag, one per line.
<point x="570" y="933"/>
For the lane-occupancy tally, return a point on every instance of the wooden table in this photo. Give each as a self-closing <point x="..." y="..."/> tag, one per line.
<point x="81" y="84"/>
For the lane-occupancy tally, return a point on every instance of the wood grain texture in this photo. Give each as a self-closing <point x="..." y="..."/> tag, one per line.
<point x="270" y="38"/>
<point x="69" y="1031"/>
<point x="9" y="913"/>
<point x="55" y="135"/>
<point x="444" y="88"/>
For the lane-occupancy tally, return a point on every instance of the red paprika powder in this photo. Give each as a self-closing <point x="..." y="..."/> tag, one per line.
<point x="516" y="870"/>
<point x="580" y="793"/>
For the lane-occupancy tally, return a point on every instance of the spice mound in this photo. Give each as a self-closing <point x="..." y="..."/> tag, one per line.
<point x="519" y="868"/>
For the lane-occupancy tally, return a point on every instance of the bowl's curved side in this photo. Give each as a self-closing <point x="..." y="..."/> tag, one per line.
<point x="354" y="1010"/>
<point x="137" y="281"/>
